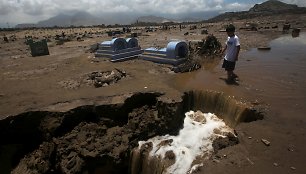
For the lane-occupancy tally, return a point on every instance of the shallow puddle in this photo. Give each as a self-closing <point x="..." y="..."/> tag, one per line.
<point x="276" y="76"/>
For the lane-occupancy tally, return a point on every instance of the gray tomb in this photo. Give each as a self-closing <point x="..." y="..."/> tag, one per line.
<point x="119" y="49"/>
<point x="175" y="53"/>
<point x="38" y="48"/>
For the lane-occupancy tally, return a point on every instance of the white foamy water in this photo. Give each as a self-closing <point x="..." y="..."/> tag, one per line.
<point x="194" y="140"/>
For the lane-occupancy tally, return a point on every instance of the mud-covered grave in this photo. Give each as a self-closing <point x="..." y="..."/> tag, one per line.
<point x="96" y="79"/>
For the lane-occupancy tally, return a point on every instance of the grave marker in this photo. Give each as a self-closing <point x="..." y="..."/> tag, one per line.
<point x="39" y="48"/>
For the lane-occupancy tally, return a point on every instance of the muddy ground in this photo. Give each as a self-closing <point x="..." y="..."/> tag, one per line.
<point x="61" y="81"/>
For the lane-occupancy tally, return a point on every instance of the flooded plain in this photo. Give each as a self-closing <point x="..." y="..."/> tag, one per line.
<point x="274" y="77"/>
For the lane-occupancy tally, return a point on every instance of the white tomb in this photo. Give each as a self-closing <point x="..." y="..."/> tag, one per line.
<point x="175" y="53"/>
<point x="119" y="49"/>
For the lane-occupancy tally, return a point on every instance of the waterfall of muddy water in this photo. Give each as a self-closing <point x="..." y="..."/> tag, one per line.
<point x="276" y="76"/>
<point x="183" y="153"/>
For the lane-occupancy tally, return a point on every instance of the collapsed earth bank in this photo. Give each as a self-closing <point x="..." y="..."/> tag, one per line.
<point x="101" y="138"/>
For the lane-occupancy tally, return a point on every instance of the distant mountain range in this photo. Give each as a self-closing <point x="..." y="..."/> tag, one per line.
<point x="64" y="20"/>
<point x="270" y="7"/>
<point x="86" y="19"/>
<point x="78" y="19"/>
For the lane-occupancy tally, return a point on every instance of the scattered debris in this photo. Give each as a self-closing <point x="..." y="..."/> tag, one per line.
<point x="266" y="142"/>
<point x="256" y="102"/>
<point x="250" y="161"/>
<point x="291" y="148"/>
<point x="106" y="78"/>
<point x="70" y="84"/>
<point x="188" y="66"/>
<point x="93" y="48"/>
<point x="286" y="28"/>
<point x="79" y="39"/>
<point x="5" y="39"/>
<point x="204" y="31"/>
<point x="193" y="27"/>
<point x="295" y="32"/>
<point x="209" y="46"/>
<point x="216" y="161"/>
<point x="250" y="27"/>
<point x="264" y="48"/>
<point x="134" y="34"/>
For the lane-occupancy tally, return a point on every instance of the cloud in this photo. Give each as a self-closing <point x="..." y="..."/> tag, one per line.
<point x="7" y="6"/>
<point x="301" y="3"/>
<point x="35" y="10"/>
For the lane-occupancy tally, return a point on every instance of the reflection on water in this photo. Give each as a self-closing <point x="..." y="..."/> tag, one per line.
<point x="275" y="76"/>
<point x="281" y="71"/>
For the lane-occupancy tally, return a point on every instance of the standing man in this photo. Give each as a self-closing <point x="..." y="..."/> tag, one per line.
<point x="231" y="49"/>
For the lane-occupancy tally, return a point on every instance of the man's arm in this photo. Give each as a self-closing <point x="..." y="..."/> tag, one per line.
<point x="224" y="50"/>
<point x="237" y="52"/>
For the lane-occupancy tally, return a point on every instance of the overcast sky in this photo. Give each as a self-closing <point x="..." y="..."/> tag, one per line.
<point x="31" y="11"/>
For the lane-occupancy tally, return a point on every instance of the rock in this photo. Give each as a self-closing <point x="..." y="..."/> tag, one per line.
<point x="292" y="168"/>
<point x="266" y="142"/>
<point x="275" y="164"/>
<point x="170" y="155"/>
<point x="291" y="149"/>
<point x="216" y="161"/>
<point x="222" y="142"/>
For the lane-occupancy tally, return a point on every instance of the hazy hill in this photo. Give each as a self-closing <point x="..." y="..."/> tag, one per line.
<point x="153" y="19"/>
<point x="159" y="20"/>
<point x="25" y="25"/>
<point x="273" y="6"/>
<point x="78" y="19"/>
<point x="268" y="8"/>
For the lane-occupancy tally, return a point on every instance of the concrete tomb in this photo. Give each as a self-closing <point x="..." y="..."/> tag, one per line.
<point x="175" y="53"/>
<point x="119" y="49"/>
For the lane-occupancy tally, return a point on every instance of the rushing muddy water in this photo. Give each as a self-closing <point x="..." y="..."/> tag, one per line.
<point x="100" y="138"/>
<point x="275" y="77"/>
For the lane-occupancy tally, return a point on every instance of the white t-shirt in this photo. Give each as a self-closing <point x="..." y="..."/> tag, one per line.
<point x="232" y="43"/>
